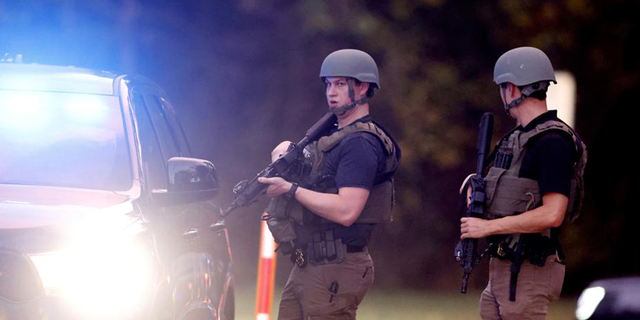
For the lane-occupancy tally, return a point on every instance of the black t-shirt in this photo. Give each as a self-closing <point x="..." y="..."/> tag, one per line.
<point x="549" y="157"/>
<point x="357" y="161"/>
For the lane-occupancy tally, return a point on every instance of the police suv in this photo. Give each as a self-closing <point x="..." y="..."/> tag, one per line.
<point x="103" y="212"/>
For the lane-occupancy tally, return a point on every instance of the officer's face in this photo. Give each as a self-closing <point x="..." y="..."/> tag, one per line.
<point x="337" y="91"/>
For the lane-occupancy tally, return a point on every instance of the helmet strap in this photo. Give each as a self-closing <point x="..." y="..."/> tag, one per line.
<point x="514" y="103"/>
<point x="525" y="92"/>
<point x="342" y="110"/>
<point x="352" y="92"/>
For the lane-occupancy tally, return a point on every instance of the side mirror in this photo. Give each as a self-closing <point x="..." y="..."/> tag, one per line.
<point x="190" y="180"/>
<point x="190" y="174"/>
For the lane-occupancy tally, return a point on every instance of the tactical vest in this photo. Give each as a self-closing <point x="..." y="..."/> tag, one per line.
<point x="379" y="205"/>
<point x="282" y="211"/>
<point x="508" y="194"/>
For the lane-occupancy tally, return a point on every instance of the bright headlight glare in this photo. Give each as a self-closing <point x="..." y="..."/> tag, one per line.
<point x="106" y="272"/>
<point x="588" y="302"/>
<point x="53" y="270"/>
<point x="110" y="277"/>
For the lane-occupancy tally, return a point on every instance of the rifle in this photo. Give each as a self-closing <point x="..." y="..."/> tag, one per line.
<point x="248" y="192"/>
<point x="466" y="251"/>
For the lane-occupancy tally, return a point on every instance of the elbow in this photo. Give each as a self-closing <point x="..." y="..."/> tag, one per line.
<point x="349" y="218"/>
<point x="554" y="207"/>
<point x="556" y="219"/>
<point x="346" y="223"/>
<point x="556" y="223"/>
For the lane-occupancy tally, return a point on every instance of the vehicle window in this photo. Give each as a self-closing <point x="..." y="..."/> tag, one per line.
<point x="185" y="148"/>
<point x="63" y="139"/>
<point x="165" y="133"/>
<point x="152" y="159"/>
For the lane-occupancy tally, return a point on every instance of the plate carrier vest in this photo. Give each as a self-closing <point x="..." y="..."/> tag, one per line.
<point x="283" y="211"/>
<point x="508" y="194"/>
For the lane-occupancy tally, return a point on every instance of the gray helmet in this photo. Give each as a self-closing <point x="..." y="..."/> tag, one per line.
<point x="351" y="63"/>
<point x="523" y="66"/>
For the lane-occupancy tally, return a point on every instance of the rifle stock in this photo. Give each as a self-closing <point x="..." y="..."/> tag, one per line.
<point x="468" y="256"/>
<point x="248" y="192"/>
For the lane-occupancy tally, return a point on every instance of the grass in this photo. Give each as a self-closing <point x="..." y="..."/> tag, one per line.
<point x="407" y="305"/>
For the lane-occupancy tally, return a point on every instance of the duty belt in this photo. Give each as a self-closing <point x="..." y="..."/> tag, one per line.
<point x="323" y="249"/>
<point x="534" y="251"/>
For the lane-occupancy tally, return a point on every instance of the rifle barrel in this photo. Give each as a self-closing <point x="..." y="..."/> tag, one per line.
<point x="484" y="140"/>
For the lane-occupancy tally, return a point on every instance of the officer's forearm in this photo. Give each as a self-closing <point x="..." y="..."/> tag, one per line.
<point x="343" y="208"/>
<point x="549" y="215"/>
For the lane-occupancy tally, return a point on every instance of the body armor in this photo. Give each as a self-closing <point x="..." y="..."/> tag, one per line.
<point x="283" y="212"/>
<point x="508" y="194"/>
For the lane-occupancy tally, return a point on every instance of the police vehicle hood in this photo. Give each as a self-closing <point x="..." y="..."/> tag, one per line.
<point x="37" y="219"/>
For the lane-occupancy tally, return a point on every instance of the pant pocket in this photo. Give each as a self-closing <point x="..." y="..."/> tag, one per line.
<point x="365" y="282"/>
<point x="556" y="279"/>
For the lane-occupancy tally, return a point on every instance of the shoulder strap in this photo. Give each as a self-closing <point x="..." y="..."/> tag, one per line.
<point x="329" y="142"/>
<point x="550" y="125"/>
<point x="326" y="143"/>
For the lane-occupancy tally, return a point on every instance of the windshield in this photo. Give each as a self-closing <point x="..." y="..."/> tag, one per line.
<point x="63" y="139"/>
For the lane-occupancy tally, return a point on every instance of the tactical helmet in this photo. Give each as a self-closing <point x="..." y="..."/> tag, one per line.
<point x="523" y="66"/>
<point x="351" y="63"/>
<point x="526" y="67"/>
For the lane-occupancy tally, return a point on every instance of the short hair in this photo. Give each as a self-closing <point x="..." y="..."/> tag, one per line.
<point x="372" y="88"/>
<point x="540" y="94"/>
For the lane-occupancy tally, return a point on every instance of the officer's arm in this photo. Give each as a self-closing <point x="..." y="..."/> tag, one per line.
<point x="549" y="215"/>
<point x="343" y="208"/>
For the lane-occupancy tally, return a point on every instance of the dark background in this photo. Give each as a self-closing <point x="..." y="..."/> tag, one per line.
<point x="243" y="76"/>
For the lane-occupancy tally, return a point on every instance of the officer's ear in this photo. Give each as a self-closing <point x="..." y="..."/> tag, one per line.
<point x="515" y="91"/>
<point x="362" y="87"/>
<point x="509" y="91"/>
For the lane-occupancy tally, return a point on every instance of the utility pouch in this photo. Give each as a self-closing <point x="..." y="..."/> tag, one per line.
<point x="283" y="233"/>
<point x="538" y="249"/>
<point x="325" y="249"/>
<point x="280" y="223"/>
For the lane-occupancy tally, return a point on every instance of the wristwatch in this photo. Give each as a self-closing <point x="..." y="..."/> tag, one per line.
<point x="292" y="192"/>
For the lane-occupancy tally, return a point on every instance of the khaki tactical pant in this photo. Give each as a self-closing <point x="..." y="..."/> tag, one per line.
<point x="537" y="287"/>
<point x="307" y="293"/>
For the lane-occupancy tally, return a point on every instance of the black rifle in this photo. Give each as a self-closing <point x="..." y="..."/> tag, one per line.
<point x="248" y="192"/>
<point x="466" y="252"/>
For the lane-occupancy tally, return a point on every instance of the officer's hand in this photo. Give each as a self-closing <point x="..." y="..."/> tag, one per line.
<point x="277" y="186"/>
<point x="474" y="228"/>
